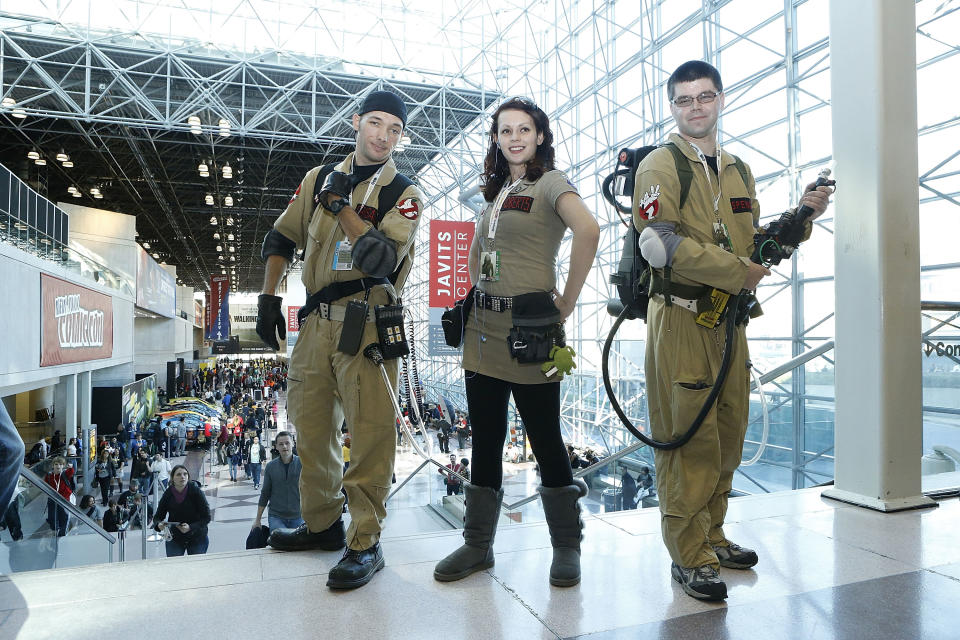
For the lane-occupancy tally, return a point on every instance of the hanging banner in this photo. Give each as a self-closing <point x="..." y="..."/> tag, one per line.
<point x="293" y="328"/>
<point x="219" y="308"/>
<point x="449" y="276"/>
<point x="76" y="323"/>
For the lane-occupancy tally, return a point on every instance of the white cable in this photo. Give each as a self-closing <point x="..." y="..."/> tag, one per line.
<point x="766" y="421"/>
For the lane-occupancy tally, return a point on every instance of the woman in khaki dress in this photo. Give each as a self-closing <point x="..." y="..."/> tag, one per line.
<point x="517" y="319"/>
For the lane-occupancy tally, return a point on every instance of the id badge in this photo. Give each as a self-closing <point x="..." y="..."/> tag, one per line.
<point x="490" y="266"/>
<point x="721" y="236"/>
<point x="343" y="256"/>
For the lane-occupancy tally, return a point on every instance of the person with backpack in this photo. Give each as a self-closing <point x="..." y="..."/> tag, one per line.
<point x="233" y="456"/>
<point x="695" y="207"/>
<point x="355" y="222"/>
<point x="513" y="330"/>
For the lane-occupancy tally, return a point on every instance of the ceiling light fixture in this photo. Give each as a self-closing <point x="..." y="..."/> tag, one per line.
<point x="213" y="220"/>
<point x="232" y="248"/>
<point x="227" y="171"/>
<point x="229" y="222"/>
<point x="194" y="122"/>
<point x="40" y="162"/>
<point x="68" y="164"/>
<point x="208" y="199"/>
<point x="76" y="194"/>
<point x="224" y="125"/>
<point x="33" y="154"/>
<point x="71" y="189"/>
<point x="228" y="201"/>
<point x="216" y="235"/>
<point x="146" y="245"/>
<point x="220" y="248"/>
<point x="62" y="157"/>
<point x="230" y="236"/>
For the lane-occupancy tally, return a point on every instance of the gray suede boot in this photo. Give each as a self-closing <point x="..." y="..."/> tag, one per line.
<point x="479" y="528"/>
<point x="562" y="508"/>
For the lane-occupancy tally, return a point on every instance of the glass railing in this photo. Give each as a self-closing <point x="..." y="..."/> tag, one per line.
<point x="45" y="531"/>
<point x="87" y="264"/>
<point x="941" y="397"/>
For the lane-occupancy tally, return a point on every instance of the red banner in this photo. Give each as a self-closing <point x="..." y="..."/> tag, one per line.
<point x="292" y="323"/>
<point x="449" y="251"/>
<point x="77" y="323"/>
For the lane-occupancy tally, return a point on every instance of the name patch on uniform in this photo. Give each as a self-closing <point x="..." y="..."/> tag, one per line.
<point x="518" y="203"/>
<point x="295" y="194"/>
<point x="650" y="203"/>
<point x="409" y="208"/>
<point x="740" y="205"/>
<point x="367" y="213"/>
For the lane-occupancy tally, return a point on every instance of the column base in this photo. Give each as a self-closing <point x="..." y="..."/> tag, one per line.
<point x="885" y="506"/>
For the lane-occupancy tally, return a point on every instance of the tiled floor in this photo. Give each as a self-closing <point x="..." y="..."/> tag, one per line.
<point x="828" y="570"/>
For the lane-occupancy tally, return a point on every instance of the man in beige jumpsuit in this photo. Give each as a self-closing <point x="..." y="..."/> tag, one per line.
<point x="705" y="245"/>
<point x="351" y="251"/>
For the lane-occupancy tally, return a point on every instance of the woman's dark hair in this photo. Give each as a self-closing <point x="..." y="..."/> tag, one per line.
<point x="495" y="168"/>
<point x="173" y="471"/>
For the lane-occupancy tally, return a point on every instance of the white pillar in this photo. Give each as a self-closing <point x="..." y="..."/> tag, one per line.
<point x="879" y="427"/>
<point x="66" y="416"/>
<point x="84" y="397"/>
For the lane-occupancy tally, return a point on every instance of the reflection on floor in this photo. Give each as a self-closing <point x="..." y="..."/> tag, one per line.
<point x="827" y="570"/>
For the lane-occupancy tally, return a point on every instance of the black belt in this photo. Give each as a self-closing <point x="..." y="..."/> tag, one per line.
<point x="335" y="291"/>
<point x="493" y="303"/>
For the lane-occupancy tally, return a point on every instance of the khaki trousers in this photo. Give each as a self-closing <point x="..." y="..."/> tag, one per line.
<point x="326" y="387"/>
<point x="694" y="481"/>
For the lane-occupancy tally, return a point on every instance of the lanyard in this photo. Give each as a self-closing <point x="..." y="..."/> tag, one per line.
<point x="371" y="186"/>
<point x="497" y="204"/>
<point x="706" y="171"/>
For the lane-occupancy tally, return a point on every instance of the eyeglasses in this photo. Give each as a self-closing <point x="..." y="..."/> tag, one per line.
<point x="704" y="98"/>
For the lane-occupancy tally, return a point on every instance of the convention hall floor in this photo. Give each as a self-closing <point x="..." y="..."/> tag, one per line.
<point x="827" y="570"/>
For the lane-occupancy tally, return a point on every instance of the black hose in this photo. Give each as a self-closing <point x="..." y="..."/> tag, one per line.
<point x="708" y="403"/>
<point x="607" y="194"/>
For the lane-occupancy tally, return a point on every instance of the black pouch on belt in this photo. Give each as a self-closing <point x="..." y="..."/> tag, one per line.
<point x="390" y="333"/>
<point x="354" y="319"/>
<point x="536" y="328"/>
<point x="454" y="320"/>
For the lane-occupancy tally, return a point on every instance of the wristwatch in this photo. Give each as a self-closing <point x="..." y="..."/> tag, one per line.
<point x="335" y="206"/>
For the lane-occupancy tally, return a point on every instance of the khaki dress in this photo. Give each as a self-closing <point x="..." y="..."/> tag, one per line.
<point x="528" y="238"/>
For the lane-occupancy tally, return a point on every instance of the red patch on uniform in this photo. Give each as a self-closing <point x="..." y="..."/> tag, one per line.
<point x="367" y="213"/>
<point x="650" y="211"/>
<point x="409" y="208"/>
<point x="518" y="203"/>
<point x="741" y="205"/>
<point x="295" y="194"/>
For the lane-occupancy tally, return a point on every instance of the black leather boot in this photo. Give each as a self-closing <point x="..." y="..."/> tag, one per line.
<point x="356" y="568"/>
<point x="302" y="539"/>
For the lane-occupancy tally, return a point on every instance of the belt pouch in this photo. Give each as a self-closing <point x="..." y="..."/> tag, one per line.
<point x="536" y="328"/>
<point x="351" y="333"/>
<point x="454" y="319"/>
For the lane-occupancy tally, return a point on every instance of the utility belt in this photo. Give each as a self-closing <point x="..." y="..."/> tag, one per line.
<point x="357" y="313"/>
<point x="707" y="303"/>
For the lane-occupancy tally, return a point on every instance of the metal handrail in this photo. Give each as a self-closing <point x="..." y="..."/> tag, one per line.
<point x="38" y="482"/>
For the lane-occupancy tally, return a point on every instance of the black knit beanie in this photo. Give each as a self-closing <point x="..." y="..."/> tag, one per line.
<point x="387" y="102"/>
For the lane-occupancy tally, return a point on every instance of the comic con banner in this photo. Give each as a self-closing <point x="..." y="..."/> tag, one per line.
<point x="219" y="308"/>
<point x="449" y="275"/>
<point x="76" y="323"/>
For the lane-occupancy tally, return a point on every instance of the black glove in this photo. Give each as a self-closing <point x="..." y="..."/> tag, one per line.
<point x="270" y="320"/>
<point x="337" y="183"/>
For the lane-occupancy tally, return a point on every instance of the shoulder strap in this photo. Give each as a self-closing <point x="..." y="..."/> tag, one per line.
<point x="742" y="169"/>
<point x="390" y="194"/>
<point x="684" y="172"/>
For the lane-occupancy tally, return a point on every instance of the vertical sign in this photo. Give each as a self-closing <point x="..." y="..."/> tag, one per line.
<point x="449" y="275"/>
<point x="293" y="328"/>
<point x="219" y="308"/>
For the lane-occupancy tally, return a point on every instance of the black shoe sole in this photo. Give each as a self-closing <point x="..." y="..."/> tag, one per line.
<point x="333" y="583"/>
<point x="453" y="577"/>
<point x="308" y="546"/>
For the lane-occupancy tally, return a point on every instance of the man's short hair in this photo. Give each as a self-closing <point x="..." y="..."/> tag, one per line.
<point x="282" y="434"/>
<point x="693" y="70"/>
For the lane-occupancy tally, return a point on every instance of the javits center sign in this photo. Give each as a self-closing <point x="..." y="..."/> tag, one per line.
<point x="449" y="275"/>
<point x="77" y="323"/>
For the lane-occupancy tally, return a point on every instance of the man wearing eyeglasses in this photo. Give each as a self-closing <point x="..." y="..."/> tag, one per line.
<point x="696" y="242"/>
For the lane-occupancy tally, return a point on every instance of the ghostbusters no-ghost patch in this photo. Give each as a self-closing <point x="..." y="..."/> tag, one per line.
<point x="409" y="208"/>
<point x="295" y="194"/>
<point x="740" y="205"/>
<point x="650" y="203"/>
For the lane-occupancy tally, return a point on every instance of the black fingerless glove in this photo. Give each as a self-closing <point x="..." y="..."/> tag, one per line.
<point x="337" y="183"/>
<point x="270" y="320"/>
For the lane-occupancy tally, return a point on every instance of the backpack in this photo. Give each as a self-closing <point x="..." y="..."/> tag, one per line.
<point x="232" y="450"/>
<point x="633" y="276"/>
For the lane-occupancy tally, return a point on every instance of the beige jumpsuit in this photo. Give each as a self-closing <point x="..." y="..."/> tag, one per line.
<point x="326" y="386"/>
<point x="683" y="358"/>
